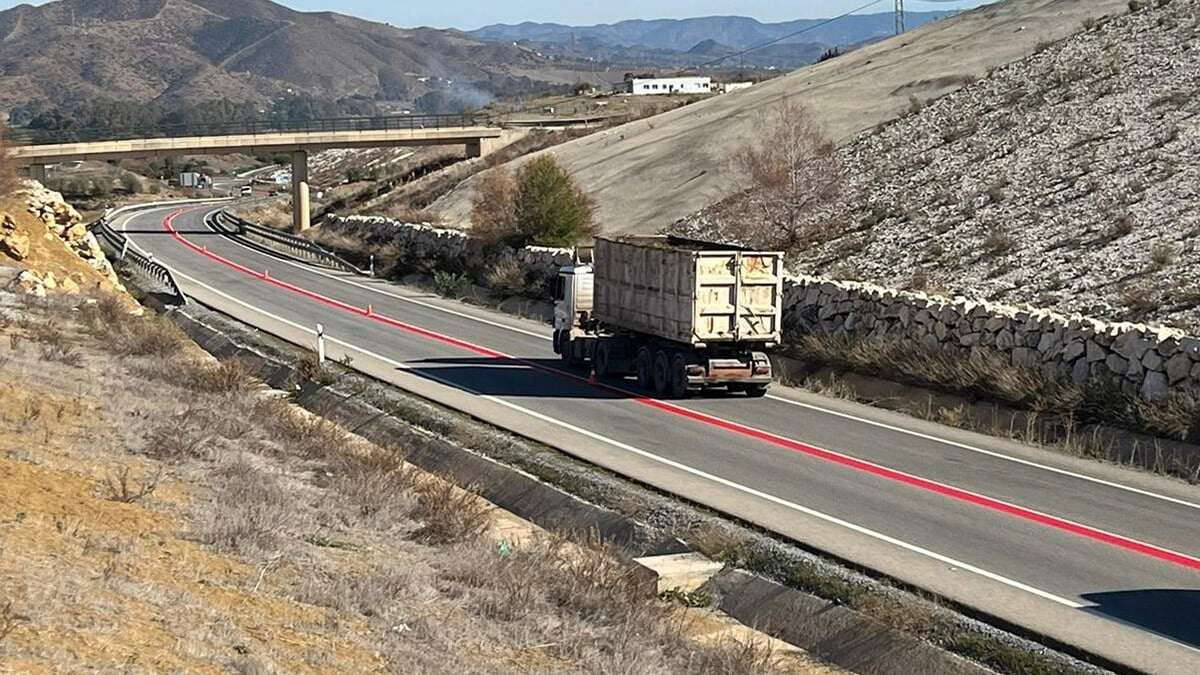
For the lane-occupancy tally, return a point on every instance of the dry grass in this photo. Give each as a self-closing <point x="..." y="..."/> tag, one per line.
<point x="119" y="487"/>
<point x="1054" y="409"/>
<point x="277" y="542"/>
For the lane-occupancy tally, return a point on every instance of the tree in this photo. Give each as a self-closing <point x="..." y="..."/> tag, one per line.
<point x="790" y="171"/>
<point x="551" y="209"/>
<point x="494" y="208"/>
<point x="540" y="206"/>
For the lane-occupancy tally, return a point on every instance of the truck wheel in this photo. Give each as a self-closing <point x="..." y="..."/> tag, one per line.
<point x="756" y="390"/>
<point x="602" y="361"/>
<point x="645" y="369"/>
<point x="558" y="342"/>
<point x="679" y="378"/>
<point x="567" y="347"/>
<point x="662" y="373"/>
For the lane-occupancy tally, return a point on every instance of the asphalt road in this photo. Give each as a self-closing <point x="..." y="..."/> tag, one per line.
<point x="1088" y="554"/>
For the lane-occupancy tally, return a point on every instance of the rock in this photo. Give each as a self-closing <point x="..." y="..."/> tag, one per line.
<point x="1095" y="353"/>
<point x="1179" y="367"/>
<point x="1117" y="365"/>
<point x="50" y="282"/>
<point x="1132" y="346"/>
<point x="68" y="285"/>
<point x="15" y="245"/>
<point x="1152" y="361"/>
<point x="29" y="283"/>
<point x="1081" y="371"/>
<point x="1004" y="340"/>
<point x="1155" y="387"/>
<point x="1074" y="351"/>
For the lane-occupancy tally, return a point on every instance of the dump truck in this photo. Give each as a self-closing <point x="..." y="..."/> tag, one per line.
<point x="679" y="314"/>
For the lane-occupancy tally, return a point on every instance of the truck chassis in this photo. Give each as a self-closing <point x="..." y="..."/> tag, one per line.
<point x="668" y="369"/>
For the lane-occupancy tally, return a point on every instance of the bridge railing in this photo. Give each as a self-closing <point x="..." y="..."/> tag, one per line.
<point x="297" y="246"/>
<point x="122" y="249"/>
<point x="251" y="128"/>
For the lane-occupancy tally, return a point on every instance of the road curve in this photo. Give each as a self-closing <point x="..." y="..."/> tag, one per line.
<point x="1089" y="554"/>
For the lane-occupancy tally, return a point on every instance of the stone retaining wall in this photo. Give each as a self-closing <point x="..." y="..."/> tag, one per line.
<point x="1139" y="358"/>
<point x="436" y="248"/>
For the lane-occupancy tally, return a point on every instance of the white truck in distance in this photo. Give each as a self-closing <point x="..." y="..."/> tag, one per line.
<point x="681" y="315"/>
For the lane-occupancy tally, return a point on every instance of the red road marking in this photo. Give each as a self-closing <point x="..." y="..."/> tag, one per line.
<point x="733" y="427"/>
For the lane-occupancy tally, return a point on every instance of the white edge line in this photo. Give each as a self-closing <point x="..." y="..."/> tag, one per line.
<point x="880" y="425"/>
<point x="676" y="465"/>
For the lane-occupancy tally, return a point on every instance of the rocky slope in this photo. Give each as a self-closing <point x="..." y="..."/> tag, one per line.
<point x="647" y="174"/>
<point x="1068" y="180"/>
<point x="47" y="246"/>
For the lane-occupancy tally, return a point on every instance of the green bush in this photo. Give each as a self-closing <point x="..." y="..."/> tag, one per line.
<point x="551" y="209"/>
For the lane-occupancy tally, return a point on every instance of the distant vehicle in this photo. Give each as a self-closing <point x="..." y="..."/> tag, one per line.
<point x="247" y="190"/>
<point x="681" y="315"/>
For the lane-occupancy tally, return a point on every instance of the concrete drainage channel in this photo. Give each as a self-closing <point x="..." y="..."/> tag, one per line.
<point x="835" y="613"/>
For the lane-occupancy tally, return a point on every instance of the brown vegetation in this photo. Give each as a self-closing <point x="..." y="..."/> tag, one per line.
<point x="541" y="205"/>
<point x="270" y="540"/>
<point x="790" y="169"/>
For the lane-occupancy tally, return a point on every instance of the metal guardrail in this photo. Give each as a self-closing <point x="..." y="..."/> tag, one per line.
<point x="144" y="263"/>
<point x="332" y="125"/>
<point x="302" y="248"/>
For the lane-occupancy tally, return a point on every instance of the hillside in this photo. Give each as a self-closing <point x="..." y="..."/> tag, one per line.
<point x="647" y="174"/>
<point x="1068" y="180"/>
<point x="188" y="51"/>
<point x="737" y="32"/>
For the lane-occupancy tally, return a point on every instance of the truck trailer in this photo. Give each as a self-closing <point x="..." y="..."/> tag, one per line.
<point x="679" y="314"/>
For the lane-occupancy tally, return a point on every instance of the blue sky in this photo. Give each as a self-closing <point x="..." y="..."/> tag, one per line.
<point x="467" y="14"/>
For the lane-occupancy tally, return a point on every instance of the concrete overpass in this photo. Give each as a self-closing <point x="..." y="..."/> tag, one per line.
<point x="38" y="149"/>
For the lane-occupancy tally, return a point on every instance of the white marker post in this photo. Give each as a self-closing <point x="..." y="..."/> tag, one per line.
<point x="320" y="344"/>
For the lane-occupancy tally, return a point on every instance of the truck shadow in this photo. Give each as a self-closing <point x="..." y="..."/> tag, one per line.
<point x="527" y="378"/>
<point x="1172" y="613"/>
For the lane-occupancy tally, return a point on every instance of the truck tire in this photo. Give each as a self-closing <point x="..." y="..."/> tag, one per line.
<point x="756" y="390"/>
<point x="645" y="369"/>
<point x="662" y="373"/>
<point x="679" y="380"/>
<point x="602" y="360"/>
<point x="558" y="342"/>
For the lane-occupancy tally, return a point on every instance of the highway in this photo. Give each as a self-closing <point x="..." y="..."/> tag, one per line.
<point x="1089" y="554"/>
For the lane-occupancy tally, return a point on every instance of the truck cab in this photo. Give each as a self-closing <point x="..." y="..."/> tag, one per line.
<point x="573" y="297"/>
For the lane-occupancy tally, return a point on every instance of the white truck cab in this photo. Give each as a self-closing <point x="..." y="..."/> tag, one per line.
<point x="572" y="304"/>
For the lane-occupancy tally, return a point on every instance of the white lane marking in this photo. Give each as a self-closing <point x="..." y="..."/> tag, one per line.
<point x="671" y="463"/>
<point x="881" y="425"/>
<point x="989" y="453"/>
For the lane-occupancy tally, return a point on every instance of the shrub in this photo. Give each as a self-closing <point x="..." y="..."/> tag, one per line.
<point x="120" y="488"/>
<point x="508" y="277"/>
<point x="1162" y="255"/>
<point x="451" y="284"/>
<point x="448" y="514"/>
<point x="551" y="209"/>
<point x="494" y="209"/>
<point x="998" y="242"/>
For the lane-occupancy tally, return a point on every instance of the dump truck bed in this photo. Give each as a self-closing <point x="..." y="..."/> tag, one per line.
<point x="688" y="291"/>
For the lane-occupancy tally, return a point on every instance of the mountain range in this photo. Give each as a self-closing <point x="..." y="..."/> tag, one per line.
<point x="184" y="51"/>
<point x="730" y="32"/>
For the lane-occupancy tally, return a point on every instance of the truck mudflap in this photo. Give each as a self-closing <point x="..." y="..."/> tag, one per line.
<point x="755" y="370"/>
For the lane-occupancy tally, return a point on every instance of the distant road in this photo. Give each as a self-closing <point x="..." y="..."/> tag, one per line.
<point x="1089" y="554"/>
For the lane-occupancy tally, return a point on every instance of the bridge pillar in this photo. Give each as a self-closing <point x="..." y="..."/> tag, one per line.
<point x="480" y="147"/>
<point x="301" y="217"/>
<point x="38" y="172"/>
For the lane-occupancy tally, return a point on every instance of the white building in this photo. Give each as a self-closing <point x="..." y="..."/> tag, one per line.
<point x="730" y="87"/>
<point x="668" y="85"/>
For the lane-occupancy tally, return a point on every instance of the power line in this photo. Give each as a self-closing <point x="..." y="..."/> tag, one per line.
<point x="792" y="35"/>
